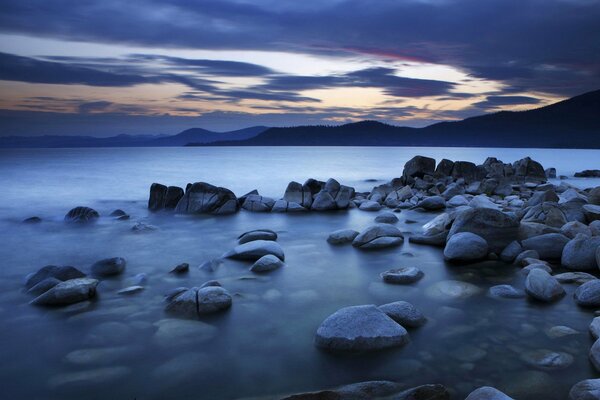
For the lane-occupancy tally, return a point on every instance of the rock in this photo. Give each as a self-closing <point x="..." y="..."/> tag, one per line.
<point x="530" y="229"/>
<point x="595" y="328"/>
<point x="370" y="205"/>
<point x="378" y="236"/>
<point x="323" y="201"/>
<point x="131" y="290"/>
<point x="465" y="247"/>
<point x="182" y="268"/>
<point x="360" y="328"/>
<point x="547" y="360"/>
<point x="444" y="168"/>
<point x="530" y="267"/>
<point x="102" y="355"/>
<point x="266" y="263"/>
<point x="525" y="255"/>
<point x="458" y="201"/>
<point x="68" y="292"/>
<point x="404" y="313"/>
<point x="109" y="266"/>
<point x="87" y="378"/>
<point x="549" y="246"/>
<point x="176" y="332"/>
<point x="433" y="203"/>
<point x="497" y="228"/>
<point x="466" y="170"/>
<point x="543" y="287"/>
<point x="595" y="228"/>
<point x="550" y="173"/>
<point x="342" y="236"/>
<point x="257" y="203"/>
<point x="287" y="206"/>
<point x="405" y="275"/>
<point x="573" y="228"/>
<point x="211" y="265"/>
<point x="482" y="201"/>
<point x="32" y="220"/>
<point x="142" y="227"/>
<point x="120" y="215"/>
<point x="255" y="249"/>
<point x="591" y="212"/>
<point x="594" y="196"/>
<point x="439" y="224"/>
<point x="455" y="191"/>
<point x="62" y="273"/>
<point x="574" y="277"/>
<point x="588" y="173"/>
<point x="360" y="390"/>
<point x="163" y="197"/>
<point x="588" y="389"/>
<point x="424" y="392"/>
<point x="396" y="197"/>
<point x="540" y="197"/>
<point x="588" y="294"/>
<point x="511" y="252"/>
<point x="44" y="286"/>
<point x="171" y="294"/>
<point x="210" y="283"/>
<point x="257" y="234"/>
<point x="386" y="218"/>
<point x="299" y="194"/>
<point x="487" y="393"/>
<point x="530" y="170"/>
<point x="560" y="331"/>
<point x="506" y="292"/>
<point x="580" y="253"/>
<point x="82" y="215"/>
<point x="550" y="214"/>
<point x="452" y="290"/>
<point x="195" y="302"/>
<point x="204" y="198"/>
<point x="418" y="167"/>
<point x="595" y="355"/>
<point x="439" y="239"/>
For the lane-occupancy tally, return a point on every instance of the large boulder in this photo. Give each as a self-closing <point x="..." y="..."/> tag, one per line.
<point x="109" y="266"/>
<point x="299" y="194"/>
<point x="378" y="236"/>
<point x="588" y="389"/>
<point x="580" y="253"/>
<point x="163" y="197"/>
<point x="195" y="302"/>
<point x="444" y="168"/>
<point x="82" y="215"/>
<point x="204" y="198"/>
<point x="588" y="294"/>
<point x="529" y="170"/>
<point x="68" y="292"/>
<point x="282" y="206"/>
<point x="62" y="273"/>
<point x="465" y="170"/>
<point x="549" y="213"/>
<point x="591" y="212"/>
<point x="404" y="313"/>
<point x="549" y="246"/>
<point x="432" y="203"/>
<point x="594" y="196"/>
<point x="497" y="228"/>
<point x="360" y="328"/>
<point x="487" y="393"/>
<point x="574" y="228"/>
<point x="465" y="247"/>
<point x="323" y="201"/>
<point x="418" y="167"/>
<point x="542" y="286"/>
<point x="255" y="249"/>
<point x="398" y="196"/>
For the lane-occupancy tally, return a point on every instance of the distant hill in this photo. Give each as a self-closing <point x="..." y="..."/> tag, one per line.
<point x="199" y="135"/>
<point x="572" y="123"/>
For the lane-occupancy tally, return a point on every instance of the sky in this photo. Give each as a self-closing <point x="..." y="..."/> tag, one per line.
<point x="103" y="68"/>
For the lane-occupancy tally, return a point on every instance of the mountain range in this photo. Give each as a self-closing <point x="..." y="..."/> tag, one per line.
<point x="571" y="123"/>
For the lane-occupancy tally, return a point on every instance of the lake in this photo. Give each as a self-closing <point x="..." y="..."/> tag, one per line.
<point x="127" y="347"/>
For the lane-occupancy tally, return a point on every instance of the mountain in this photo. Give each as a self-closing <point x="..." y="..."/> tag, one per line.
<point x="571" y="123"/>
<point x="199" y="135"/>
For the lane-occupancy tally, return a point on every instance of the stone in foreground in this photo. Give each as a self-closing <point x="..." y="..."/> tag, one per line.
<point x="465" y="247"/>
<point x="404" y="313"/>
<point x="588" y="389"/>
<point x="255" y="249"/>
<point x="360" y="328"/>
<point x="487" y="393"/>
<point x="68" y="292"/>
<point x="342" y="236"/>
<point x="266" y="263"/>
<point x="405" y="275"/>
<point x="378" y="236"/>
<point x="588" y="294"/>
<point x="543" y="287"/>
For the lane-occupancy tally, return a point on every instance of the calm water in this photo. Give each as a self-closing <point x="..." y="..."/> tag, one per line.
<point x="263" y="345"/>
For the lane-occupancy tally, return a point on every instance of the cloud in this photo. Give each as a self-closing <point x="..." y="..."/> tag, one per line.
<point x="498" y="101"/>
<point x="91" y="106"/>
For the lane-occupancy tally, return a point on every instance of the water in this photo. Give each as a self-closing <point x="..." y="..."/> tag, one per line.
<point x="264" y="343"/>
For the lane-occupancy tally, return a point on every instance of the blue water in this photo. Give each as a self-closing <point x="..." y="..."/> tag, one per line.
<point x="263" y="345"/>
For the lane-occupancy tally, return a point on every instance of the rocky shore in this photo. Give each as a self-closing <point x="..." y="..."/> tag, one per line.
<point x="506" y="212"/>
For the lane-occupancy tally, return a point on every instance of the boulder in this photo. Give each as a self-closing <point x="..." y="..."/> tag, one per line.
<point x="543" y="287"/>
<point x="82" y="215"/>
<point x="182" y="268"/>
<point x="378" y="236"/>
<point x="591" y="212"/>
<point x="549" y="246"/>
<point x="163" y="197"/>
<point x="594" y="196"/>
<point x="595" y="355"/>
<point x="506" y="292"/>
<point x="588" y="173"/>
<point x="465" y="247"/>
<point x="404" y="313"/>
<point x="299" y="194"/>
<point x="61" y="273"/>
<point x="588" y="294"/>
<point x="194" y="302"/>
<point x="323" y="201"/>
<point x="432" y="203"/>
<point x="204" y="198"/>
<point x="257" y="234"/>
<point x="396" y="197"/>
<point x="43" y="286"/>
<point x="530" y="229"/>
<point x="574" y="228"/>
<point x="438" y="239"/>
<point x="457" y="201"/>
<point x="109" y="266"/>
<point x="287" y="206"/>
<point x="465" y="170"/>
<point x="386" y="217"/>
<point x="595" y="328"/>
<point x="497" y="228"/>
<point x="529" y="170"/>
<point x="574" y="277"/>
<point x="342" y="236"/>
<point x="266" y="263"/>
<point x="525" y="255"/>
<point x="550" y="214"/>
<point x="487" y="393"/>
<point x="588" y="389"/>
<point x="258" y="203"/>
<point x="511" y="252"/>
<point x="483" y="201"/>
<point x="580" y="253"/>
<point x="405" y="275"/>
<point x="370" y="205"/>
<point x="550" y="173"/>
<point x="444" y="168"/>
<point x="68" y="292"/>
<point x="360" y="328"/>
<point x="255" y="249"/>
<point x="418" y="167"/>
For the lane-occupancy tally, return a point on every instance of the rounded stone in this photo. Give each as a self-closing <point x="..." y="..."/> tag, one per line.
<point x="404" y="275"/>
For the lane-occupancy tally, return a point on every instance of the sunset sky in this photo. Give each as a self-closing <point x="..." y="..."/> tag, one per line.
<point x="156" y="67"/>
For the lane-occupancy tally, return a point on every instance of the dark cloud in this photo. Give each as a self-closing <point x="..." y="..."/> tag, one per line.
<point x="91" y="106"/>
<point x="499" y="101"/>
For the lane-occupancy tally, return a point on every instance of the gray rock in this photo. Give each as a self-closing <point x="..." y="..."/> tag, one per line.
<point x="204" y="198"/>
<point x="370" y="205"/>
<point x="432" y="203"/>
<point x="182" y="268"/>
<point x="266" y="263"/>
<point x="82" y="215"/>
<point x="405" y="275"/>
<point x="211" y="265"/>
<point x="595" y="355"/>
<point x="419" y="166"/>
<point x="573" y="228"/>
<point x="258" y="203"/>
<point x="588" y="294"/>
<point x="466" y="170"/>
<point x="163" y="197"/>
<point x="457" y="201"/>
<point x="287" y="206"/>
<point x="530" y="229"/>
<point x="360" y="328"/>
<point x="465" y="247"/>
<point x="580" y="253"/>
<point x="530" y="267"/>
<point x="299" y="194"/>
<point x="323" y="201"/>
<point x="68" y="292"/>
<point x="62" y="273"/>
<point x="511" y="252"/>
<point x="541" y="286"/>
<point x="32" y="220"/>
<point x="131" y="290"/>
<point x="404" y="313"/>
<point x="506" y="292"/>
<point x="497" y="228"/>
<point x="560" y="331"/>
<point x="487" y="393"/>
<point x="549" y="246"/>
<point x="547" y="360"/>
<point x="360" y="390"/>
<point x="574" y="277"/>
<point x="595" y="328"/>
<point x="588" y="389"/>
<point x="171" y="294"/>
<point x="256" y="249"/>
<point x="482" y="201"/>
<point x="257" y="234"/>
<point x="525" y="255"/>
<point x="198" y="301"/>
<point x="444" y="168"/>
<point x="591" y="212"/>
<point x="386" y="218"/>
<point x="342" y="236"/>
<point x="142" y="227"/>
<point x="44" y="286"/>
<point x="378" y="236"/>
<point x="438" y="239"/>
<point x="595" y="228"/>
<point x="109" y="266"/>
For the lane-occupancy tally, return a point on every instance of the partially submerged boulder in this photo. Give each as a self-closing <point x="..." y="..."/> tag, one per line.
<point x="204" y="198"/>
<point x="378" y="236"/>
<point x="465" y="247"/>
<point x="255" y="249"/>
<point x="82" y="215"/>
<point x="68" y="292"/>
<point x="497" y="228"/>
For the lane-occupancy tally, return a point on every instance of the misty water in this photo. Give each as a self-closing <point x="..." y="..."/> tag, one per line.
<point x="263" y="345"/>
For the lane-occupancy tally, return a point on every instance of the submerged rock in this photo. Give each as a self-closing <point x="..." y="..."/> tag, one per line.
<point x="342" y="236"/>
<point x="542" y="286"/>
<point x="266" y="263"/>
<point x="547" y="360"/>
<point x="142" y="227"/>
<point x="109" y="266"/>
<point x="465" y="247"/>
<point x="404" y="313"/>
<point x="378" y="236"/>
<point x="182" y="268"/>
<point x="574" y="277"/>
<point x="405" y="275"/>
<point x="62" y="273"/>
<point x="257" y="234"/>
<point x="360" y="328"/>
<point x="44" y="286"/>
<point x="256" y="249"/>
<point x="89" y="377"/>
<point x="131" y="290"/>
<point x="178" y="332"/>
<point x="68" y="292"/>
<point x="506" y="291"/>
<point x="452" y="290"/>
<point x="82" y="215"/>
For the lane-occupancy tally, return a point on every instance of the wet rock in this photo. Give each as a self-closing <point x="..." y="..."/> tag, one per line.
<point x="560" y="331"/>
<point x="573" y="228"/>
<point x="530" y="229"/>
<point x="378" y="236"/>
<point x="323" y="201"/>
<point x="266" y="264"/>
<point x="163" y="197"/>
<point x="68" y="292"/>
<point x="438" y="239"/>
<point x="62" y="273"/>
<point x="588" y="389"/>
<point x="210" y="283"/>
<point x="588" y="173"/>
<point x="342" y="236"/>
<point x="43" y="286"/>
<point x="465" y="247"/>
<point x="369" y="205"/>
<point x="404" y="313"/>
<point x="497" y="228"/>
<point x="298" y="193"/>
<point x="588" y="294"/>
<point x="547" y="360"/>
<point x="543" y="287"/>
<point x="595" y="328"/>
<point x="549" y="246"/>
<point x="257" y="203"/>
<point x="82" y="215"/>
<point x="405" y="275"/>
<point x="439" y="224"/>
<point x="171" y="294"/>
<point x="386" y="218"/>
<point x="195" y="302"/>
<point x="574" y="277"/>
<point x="525" y="255"/>
<point x="109" y="267"/>
<point x="466" y="170"/>
<point x="256" y="249"/>
<point x="595" y="355"/>
<point x="530" y="267"/>
<point x="204" y="198"/>
<point x="257" y="234"/>
<point x="142" y="227"/>
<point x="506" y="291"/>
<point x="511" y="252"/>
<point x="176" y="332"/>
<point x="418" y="167"/>
<point x="452" y="290"/>
<point x="580" y="253"/>
<point x="211" y="265"/>
<point x="482" y="201"/>
<point x="131" y="290"/>
<point x="182" y="268"/>
<point x="32" y="220"/>
<point x="432" y="203"/>
<point x="487" y="393"/>
<point x="444" y="168"/>
<point x="591" y="212"/>
<point x="89" y="377"/>
<point x="360" y="328"/>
